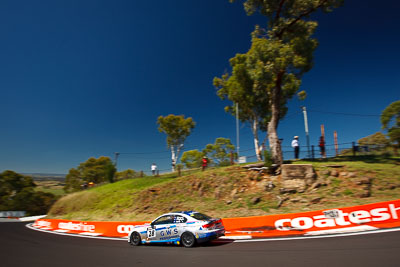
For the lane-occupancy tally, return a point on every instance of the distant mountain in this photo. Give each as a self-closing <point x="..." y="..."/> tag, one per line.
<point x="46" y="176"/>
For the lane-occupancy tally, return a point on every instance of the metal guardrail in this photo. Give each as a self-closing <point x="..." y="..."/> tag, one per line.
<point x="12" y="214"/>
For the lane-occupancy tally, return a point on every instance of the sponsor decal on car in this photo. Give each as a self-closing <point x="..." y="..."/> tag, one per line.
<point x="169" y="232"/>
<point x="151" y="232"/>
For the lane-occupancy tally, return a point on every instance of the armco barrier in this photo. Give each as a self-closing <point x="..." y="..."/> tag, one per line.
<point x="349" y="219"/>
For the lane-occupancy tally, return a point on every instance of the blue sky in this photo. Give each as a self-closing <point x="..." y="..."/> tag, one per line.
<point x="89" y="78"/>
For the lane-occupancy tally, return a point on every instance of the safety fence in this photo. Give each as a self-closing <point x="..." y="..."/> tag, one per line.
<point x="12" y="214"/>
<point x="349" y="219"/>
<point x="332" y="150"/>
<point x="312" y="152"/>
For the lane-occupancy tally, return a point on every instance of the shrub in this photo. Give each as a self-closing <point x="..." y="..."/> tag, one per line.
<point x="267" y="158"/>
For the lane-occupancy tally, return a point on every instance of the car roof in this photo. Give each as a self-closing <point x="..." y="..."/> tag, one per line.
<point x="186" y="212"/>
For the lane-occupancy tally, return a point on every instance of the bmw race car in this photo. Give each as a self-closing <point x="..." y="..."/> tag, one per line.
<point x="184" y="227"/>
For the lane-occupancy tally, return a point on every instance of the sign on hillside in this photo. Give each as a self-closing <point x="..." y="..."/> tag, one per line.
<point x="242" y="159"/>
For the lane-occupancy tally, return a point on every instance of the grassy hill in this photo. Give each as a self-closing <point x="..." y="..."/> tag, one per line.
<point x="235" y="192"/>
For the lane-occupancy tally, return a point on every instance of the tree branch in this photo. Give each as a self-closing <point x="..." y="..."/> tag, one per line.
<point x="278" y="12"/>
<point x="306" y="13"/>
<point x="277" y="93"/>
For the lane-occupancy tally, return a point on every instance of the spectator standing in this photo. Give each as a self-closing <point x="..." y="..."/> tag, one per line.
<point x="322" y="147"/>
<point x="296" y="147"/>
<point x="153" y="169"/>
<point x="204" y="162"/>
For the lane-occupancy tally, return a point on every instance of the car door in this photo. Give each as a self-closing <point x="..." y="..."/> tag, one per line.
<point x="161" y="228"/>
<point x="180" y="222"/>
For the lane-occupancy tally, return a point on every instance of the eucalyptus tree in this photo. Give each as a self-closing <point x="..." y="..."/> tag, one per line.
<point x="192" y="158"/>
<point x="390" y="119"/>
<point x="220" y="152"/>
<point x="96" y="170"/>
<point x="17" y="192"/>
<point x="281" y="53"/>
<point x="252" y="105"/>
<point x="177" y="129"/>
<point x="374" y="139"/>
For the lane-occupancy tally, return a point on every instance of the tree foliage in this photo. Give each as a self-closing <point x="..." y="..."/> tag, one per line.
<point x="253" y="106"/>
<point x="281" y="54"/>
<point x="73" y="181"/>
<point x="220" y="152"/>
<point x="390" y="119"/>
<point x="93" y="170"/>
<point x="177" y="129"/>
<point x="374" y="139"/>
<point x="17" y="192"/>
<point x="126" y="174"/>
<point x="192" y="158"/>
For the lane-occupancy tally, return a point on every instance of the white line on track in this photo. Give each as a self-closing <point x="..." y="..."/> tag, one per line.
<point x="29" y="225"/>
<point x="321" y="236"/>
<point x="237" y="240"/>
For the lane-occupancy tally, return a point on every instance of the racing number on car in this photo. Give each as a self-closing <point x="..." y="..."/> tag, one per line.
<point x="179" y="219"/>
<point x="151" y="232"/>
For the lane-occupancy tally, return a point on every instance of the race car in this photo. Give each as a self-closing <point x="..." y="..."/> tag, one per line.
<point x="184" y="227"/>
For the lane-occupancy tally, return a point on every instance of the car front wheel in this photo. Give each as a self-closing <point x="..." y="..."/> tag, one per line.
<point x="188" y="239"/>
<point x="135" y="239"/>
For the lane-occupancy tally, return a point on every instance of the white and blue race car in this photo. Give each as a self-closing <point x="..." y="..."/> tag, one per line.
<point x="185" y="227"/>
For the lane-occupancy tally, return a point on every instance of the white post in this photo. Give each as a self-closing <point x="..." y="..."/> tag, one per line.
<point x="306" y="130"/>
<point x="237" y="129"/>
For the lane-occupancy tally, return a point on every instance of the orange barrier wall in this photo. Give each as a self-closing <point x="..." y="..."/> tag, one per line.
<point x="111" y="229"/>
<point x="370" y="216"/>
<point x="365" y="217"/>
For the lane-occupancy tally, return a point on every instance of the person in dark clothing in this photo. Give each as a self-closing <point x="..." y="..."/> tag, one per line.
<point x="322" y="147"/>
<point x="204" y="162"/>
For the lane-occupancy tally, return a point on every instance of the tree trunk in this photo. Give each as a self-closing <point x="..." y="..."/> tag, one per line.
<point x="274" y="144"/>
<point x="273" y="139"/>
<point x="173" y="158"/>
<point x="175" y="155"/>
<point x="257" y="147"/>
<point x="178" y="150"/>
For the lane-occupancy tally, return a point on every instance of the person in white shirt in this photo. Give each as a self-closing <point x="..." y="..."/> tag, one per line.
<point x="295" y="145"/>
<point x="153" y="169"/>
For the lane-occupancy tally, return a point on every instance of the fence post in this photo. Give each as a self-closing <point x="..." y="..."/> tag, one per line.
<point x="336" y="143"/>
<point x="141" y="173"/>
<point x="354" y="148"/>
<point x="312" y="152"/>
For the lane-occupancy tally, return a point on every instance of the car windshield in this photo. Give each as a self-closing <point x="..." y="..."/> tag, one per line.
<point x="166" y="219"/>
<point x="200" y="216"/>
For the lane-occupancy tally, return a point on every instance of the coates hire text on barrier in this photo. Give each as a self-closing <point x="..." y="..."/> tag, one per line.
<point x="341" y="219"/>
<point x="348" y="219"/>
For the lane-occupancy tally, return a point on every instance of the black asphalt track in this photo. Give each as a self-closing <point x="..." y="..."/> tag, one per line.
<point x="20" y="246"/>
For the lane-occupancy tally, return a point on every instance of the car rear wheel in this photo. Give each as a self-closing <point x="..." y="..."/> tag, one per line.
<point x="135" y="239"/>
<point x="188" y="239"/>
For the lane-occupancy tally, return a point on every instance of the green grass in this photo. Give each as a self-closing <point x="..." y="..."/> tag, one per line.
<point x="103" y="201"/>
<point x="56" y="192"/>
<point x="348" y="192"/>
<point x="54" y="187"/>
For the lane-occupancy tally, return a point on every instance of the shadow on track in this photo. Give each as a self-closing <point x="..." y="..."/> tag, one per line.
<point x="215" y="243"/>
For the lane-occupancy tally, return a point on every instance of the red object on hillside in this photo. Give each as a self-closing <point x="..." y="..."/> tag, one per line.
<point x="205" y="162"/>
